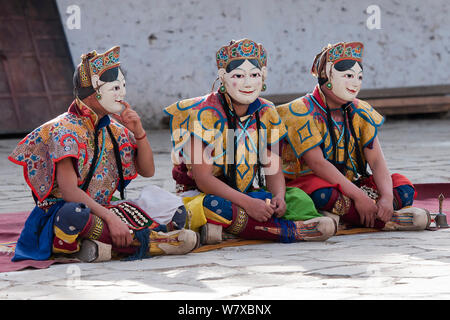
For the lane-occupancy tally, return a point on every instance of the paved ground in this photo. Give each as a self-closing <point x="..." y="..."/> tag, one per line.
<point x="398" y="265"/>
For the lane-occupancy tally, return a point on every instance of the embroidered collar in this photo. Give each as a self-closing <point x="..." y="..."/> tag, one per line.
<point x="320" y="98"/>
<point x="81" y="109"/>
<point x="252" y="107"/>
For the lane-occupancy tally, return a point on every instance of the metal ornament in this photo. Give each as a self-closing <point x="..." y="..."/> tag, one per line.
<point x="441" y="218"/>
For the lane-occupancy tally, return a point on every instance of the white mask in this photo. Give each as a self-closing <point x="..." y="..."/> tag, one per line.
<point x="345" y="84"/>
<point x="111" y="93"/>
<point x="243" y="84"/>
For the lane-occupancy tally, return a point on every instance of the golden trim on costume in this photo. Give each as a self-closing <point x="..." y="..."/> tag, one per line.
<point x="239" y="222"/>
<point x="205" y="119"/>
<point x="306" y="121"/>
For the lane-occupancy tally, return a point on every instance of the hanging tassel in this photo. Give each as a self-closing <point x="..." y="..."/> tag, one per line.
<point x="287" y="230"/>
<point x="143" y="236"/>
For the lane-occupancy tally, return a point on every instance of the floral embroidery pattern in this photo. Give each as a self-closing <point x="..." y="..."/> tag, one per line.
<point x="71" y="136"/>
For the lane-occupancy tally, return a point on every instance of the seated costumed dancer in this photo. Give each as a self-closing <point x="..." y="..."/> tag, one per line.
<point x="221" y="142"/>
<point x="332" y="136"/>
<point x="74" y="164"/>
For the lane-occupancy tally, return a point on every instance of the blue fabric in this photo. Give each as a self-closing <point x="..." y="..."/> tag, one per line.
<point x="103" y="122"/>
<point x="219" y="205"/>
<point x="143" y="236"/>
<point x="254" y="106"/>
<point x="36" y="239"/>
<point x="288" y="229"/>
<point x="321" y="197"/>
<point x="179" y="218"/>
<point x="223" y="207"/>
<point x="72" y="217"/>
<point x="406" y="195"/>
<point x="261" y="194"/>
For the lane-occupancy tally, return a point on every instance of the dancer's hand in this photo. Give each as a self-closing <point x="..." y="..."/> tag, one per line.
<point x="131" y="120"/>
<point x="120" y="234"/>
<point x="279" y="205"/>
<point x="258" y="209"/>
<point x="367" y="210"/>
<point x="385" y="209"/>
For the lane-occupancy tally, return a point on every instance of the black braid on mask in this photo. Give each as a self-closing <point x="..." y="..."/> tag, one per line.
<point x="90" y="174"/>
<point x="333" y="138"/>
<point x="230" y="174"/>
<point x="121" y="186"/>
<point x="346" y="142"/>
<point x="261" y="180"/>
<point x="362" y="165"/>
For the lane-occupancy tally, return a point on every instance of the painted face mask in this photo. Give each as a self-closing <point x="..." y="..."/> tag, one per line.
<point x="339" y="66"/>
<point x="243" y="84"/>
<point x="111" y="93"/>
<point x="97" y="71"/>
<point x="242" y="69"/>
<point x="346" y="84"/>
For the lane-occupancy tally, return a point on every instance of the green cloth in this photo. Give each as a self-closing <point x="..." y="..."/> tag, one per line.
<point x="299" y="206"/>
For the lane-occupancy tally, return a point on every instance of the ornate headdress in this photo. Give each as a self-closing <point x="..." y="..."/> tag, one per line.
<point x="241" y="49"/>
<point x="335" y="53"/>
<point x="96" y="64"/>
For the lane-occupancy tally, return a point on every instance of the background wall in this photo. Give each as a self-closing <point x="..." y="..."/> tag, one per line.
<point x="168" y="47"/>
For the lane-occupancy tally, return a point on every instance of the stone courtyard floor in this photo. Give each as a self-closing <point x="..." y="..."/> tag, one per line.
<point x="382" y="265"/>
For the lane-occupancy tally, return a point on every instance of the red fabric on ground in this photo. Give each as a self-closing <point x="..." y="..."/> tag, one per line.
<point x="11" y="225"/>
<point x="427" y="197"/>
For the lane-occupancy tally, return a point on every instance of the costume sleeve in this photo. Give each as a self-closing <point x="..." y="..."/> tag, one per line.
<point x="368" y="120"/>
<point x="290" y="165"/>
<point x="128" y="150"/>
<point x="180" y="121"/>
<point x="302" y="131"/>
<point x="276" y="129"/>
<point x="41" y="149"/>
<point x="208" y="124"/>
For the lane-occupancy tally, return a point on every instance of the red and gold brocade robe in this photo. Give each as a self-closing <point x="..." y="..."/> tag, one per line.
<point x="71" y="135"/>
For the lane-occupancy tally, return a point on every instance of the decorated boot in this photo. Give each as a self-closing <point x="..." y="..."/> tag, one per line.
<point x="94" y="251"/>
<point x="333" y="216"/>
<point x="316" y="229"/>
<point x="210" y="233"/>
<point x="409" y="219"/>
<point x="175" y="242"/>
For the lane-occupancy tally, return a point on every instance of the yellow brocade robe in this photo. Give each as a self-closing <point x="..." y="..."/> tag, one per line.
<point x="205" y="119"/>
<point x="306" y="121"/>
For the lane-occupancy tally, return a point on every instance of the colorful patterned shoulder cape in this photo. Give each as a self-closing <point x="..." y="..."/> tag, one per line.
<point x="205" y="119"/>
<point x="179" y="117"/>
<point x="71" y="135"/>
<point x="306" y="121"/>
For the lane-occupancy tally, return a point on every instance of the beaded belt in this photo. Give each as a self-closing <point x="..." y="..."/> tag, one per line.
<point x="133" y="216"/>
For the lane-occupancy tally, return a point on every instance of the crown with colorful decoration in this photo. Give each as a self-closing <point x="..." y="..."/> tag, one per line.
<point x="345" y="51"/>
<point x="241" y="49"/>
<point x="96" y="64"/>
<point x="335" y="53"/>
